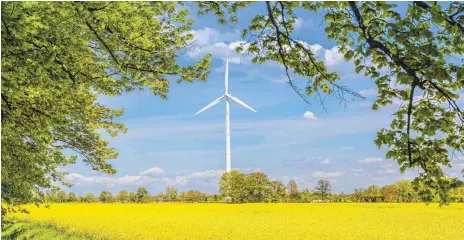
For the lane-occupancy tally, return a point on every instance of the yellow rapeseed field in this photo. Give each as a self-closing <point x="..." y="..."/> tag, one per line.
<point x="256" y="221"/>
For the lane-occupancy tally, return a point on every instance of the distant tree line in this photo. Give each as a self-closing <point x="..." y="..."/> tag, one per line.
<point x="236" y="187"/>
<point x="140" y="196"/>
<point x="257" y="187"/>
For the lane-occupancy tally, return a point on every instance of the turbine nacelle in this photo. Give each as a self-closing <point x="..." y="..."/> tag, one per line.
<point x="226" y="94"/>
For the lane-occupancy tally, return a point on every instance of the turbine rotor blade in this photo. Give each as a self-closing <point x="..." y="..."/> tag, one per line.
<point x="211" y="104"/>
<point x="227" y="76"/>
<point x="241" y="103"/>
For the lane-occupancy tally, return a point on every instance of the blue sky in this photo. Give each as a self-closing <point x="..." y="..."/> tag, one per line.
<point x="168" y="145"/>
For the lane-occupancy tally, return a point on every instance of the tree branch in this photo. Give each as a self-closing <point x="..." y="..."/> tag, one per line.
<point x="7" y="29"/>
<point x="449" y="19"/>
<point x="108" y="49"/>
<point x="410" y="72"/>
<point x="100" y="8"/>
<point x="278" y="33"/>
<point x="408" y="126"/>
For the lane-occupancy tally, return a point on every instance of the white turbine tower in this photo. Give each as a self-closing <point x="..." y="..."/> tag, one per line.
<point x="227" y="96"/>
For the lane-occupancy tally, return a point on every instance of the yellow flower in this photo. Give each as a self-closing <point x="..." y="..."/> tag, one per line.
<point x="408" y="221"/>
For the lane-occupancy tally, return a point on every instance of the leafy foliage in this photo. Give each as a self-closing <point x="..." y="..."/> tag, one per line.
<point x="323" y="188"/>
<point x="194" y="196"/>
<point x="122" y="196"/>
<point x="171" y="194"/>
<point x="278" y="192"/>
<point x="293" y="189"/>
<point x="132" y="197"/>
<point x="251" y="187"/>
<point x="106" y="196"/>
<point x="90" y="197"/>
<point x="142" y="194"/>
<point x="231" y="185"/>
<point x="71" y="197"/>
<point x="57" y="58"/>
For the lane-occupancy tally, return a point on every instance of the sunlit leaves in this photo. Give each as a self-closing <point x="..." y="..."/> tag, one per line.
<point x="406" y="51"/>
<point x="57" y="58"/>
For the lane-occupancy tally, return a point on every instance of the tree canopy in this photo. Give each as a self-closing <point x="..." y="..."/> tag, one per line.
<point x="57" y="58"/>
<point x="123" y="196"/>
<point x="323" y="188"/>
<point x="106" y="196"/>
<point x="405" y="52"/>
<point x="142" y="194"/>
<point x="292" y="189"/>
<point x="247" y="188"/>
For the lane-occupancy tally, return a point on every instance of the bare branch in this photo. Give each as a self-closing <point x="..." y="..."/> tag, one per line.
<point x="309" y="54"/>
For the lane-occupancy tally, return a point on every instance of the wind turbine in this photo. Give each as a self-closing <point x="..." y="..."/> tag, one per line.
<point x="228" y="97"/>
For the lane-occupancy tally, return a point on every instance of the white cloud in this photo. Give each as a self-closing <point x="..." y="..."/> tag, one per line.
<point x="176" y="181"/>
<point x="79" y="179"/>
<point x="328" y="174"/>
<point x="357" y="170"/>
<point x="387" y="171"/>
<point x="326" y="161"/>
<point x="379" y="179"/>
<point x="459" y="166"/>
<point x="388" y="166"/>
<point x="365" y="104"/>
<point x="454" y="175"/>
<point x="207" y="36"/>
<point x="210" y="40"/>
<point x="309" y="115"/>
<point x="221" y="50"/>
<point x="370" y="160"/>
<point x="368" y="92"/>
<point x="303" y="23"/>
<point x="61" y="169"/>
<point x="315" y="48"/>
<point x="150" y="176"/>
<point x="154" y="171"/>
<point x="280" y="80"/>
<point x="332" y="56"/>
<point x="299" y="22"/>
<point x="208" y="173"/>
<point x="249" y="170"/>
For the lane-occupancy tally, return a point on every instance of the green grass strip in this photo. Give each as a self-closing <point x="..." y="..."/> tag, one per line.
<point x="14" y="229"/>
